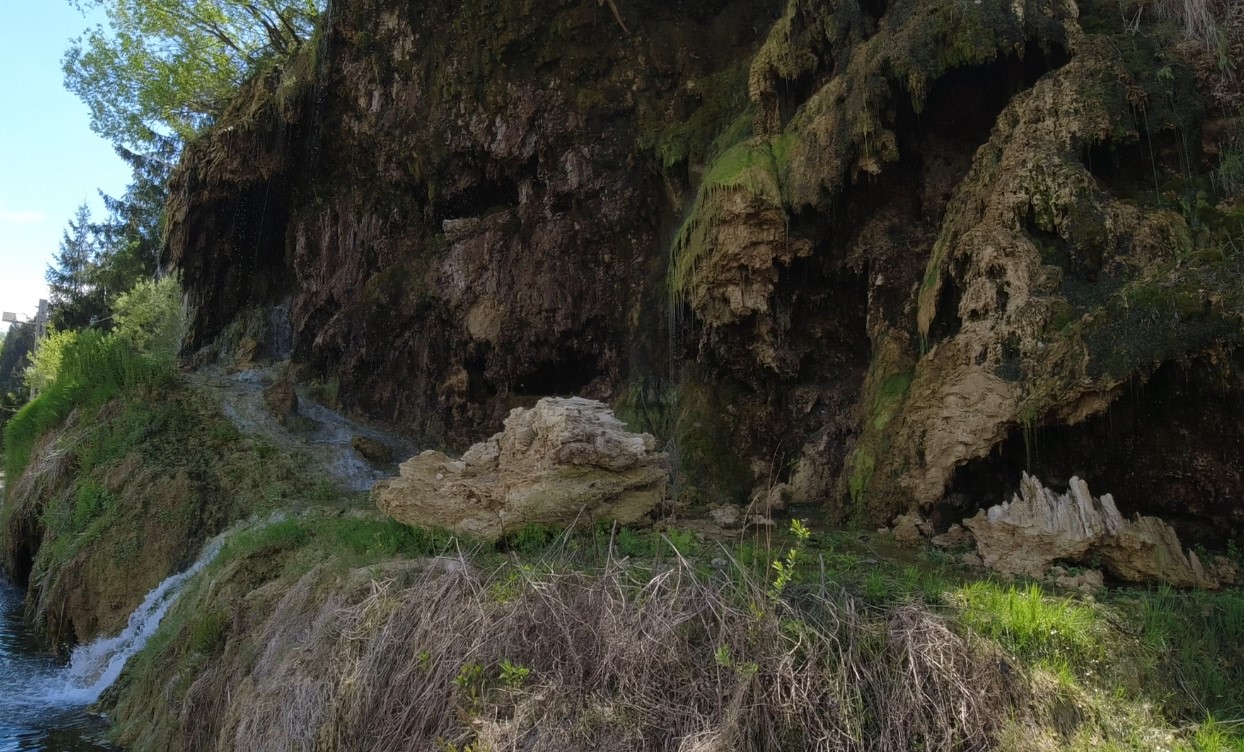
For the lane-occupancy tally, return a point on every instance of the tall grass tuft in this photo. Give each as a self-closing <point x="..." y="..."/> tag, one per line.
<point x="1035" y="626"/>
<point x="85" y="369"/>
<point x="94" y="368"/>
<point x="442" y="654"/>
<point x="1200" y="637"/>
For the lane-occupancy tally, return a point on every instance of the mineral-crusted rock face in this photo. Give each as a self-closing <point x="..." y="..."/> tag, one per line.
<point x="1039" y="527"/>
<point x="375" y="452"/>
<point x="1011" y="334"/>
<point x="857" y="248"/>
<point x="564" y="461"/>
<point x="460" y="209"/>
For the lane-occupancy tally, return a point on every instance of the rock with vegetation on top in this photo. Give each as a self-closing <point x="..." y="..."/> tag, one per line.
<point x="1039" y="527"/>
<point x="562" y="462"/>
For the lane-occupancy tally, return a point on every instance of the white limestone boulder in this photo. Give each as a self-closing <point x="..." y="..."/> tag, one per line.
<point x="562" y="462"/>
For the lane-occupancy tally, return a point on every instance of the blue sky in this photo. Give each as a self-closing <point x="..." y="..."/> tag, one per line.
<point x="50" y="160"/>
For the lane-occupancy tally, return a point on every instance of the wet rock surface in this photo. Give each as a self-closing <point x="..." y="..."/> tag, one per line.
<point x="281" y="400"/>
<point x="375" y="452"/>
<point x="562" y="462"/>
<point x="316" y="431"/>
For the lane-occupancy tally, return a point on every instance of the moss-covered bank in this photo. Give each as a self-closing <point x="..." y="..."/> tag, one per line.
<point x="114" y="496"/>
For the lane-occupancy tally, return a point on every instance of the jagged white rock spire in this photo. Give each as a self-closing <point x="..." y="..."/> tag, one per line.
<point x="1039" y="527"/>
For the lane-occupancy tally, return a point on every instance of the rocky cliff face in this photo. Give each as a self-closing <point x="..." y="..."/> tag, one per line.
<point x="463" y="204"/>
<point x="885" y="252"/>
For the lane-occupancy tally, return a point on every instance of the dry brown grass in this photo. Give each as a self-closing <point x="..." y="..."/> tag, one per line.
<point x="624" y="658"/>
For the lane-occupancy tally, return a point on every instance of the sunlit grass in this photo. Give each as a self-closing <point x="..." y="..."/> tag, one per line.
<point x="1039" y="627"/>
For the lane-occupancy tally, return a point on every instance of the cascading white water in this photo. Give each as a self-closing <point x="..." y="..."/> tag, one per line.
<point x="94" y="667"/>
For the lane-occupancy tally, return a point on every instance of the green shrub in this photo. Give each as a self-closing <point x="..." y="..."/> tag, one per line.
<point x="150" y="318"/>
<point x="46" y="359"/>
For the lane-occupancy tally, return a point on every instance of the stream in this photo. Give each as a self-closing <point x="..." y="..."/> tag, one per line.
<point x="44" y="702"/>
<point x="34" y="713"/>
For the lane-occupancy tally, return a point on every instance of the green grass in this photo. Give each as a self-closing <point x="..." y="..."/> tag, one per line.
<point x="94" y="369"/>
<point x="381" y="539"/>
<point x="1200" y="638"/>
<point x="209" y="633"/>
<point x="532" y="539"/>
<point x="1053" y="630"/>
<point x="352" y="541"/>
<point x="1073" y="649"/>
<point x="32" y="421"/>
<point x="1212" y="736"/>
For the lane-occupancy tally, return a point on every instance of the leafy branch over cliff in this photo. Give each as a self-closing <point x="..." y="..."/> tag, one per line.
<point x="168" y="67"/>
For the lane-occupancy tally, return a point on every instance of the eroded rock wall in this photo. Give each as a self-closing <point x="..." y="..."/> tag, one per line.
<point x="476" y="212"/>
<point x="856" y="247"/>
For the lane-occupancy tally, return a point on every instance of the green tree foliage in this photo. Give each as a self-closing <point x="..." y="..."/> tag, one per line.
<point x="147" y="321"/>
<point x="153" y="76"/>
<point x="86" y="369"/>
<point x="130" y="238"/>
<point x="14" y="359"/>
<point x="98" y="262"/>
<point x="77" y="300"/>
<point x="45" y="360"/>
<point x="167" y="67"/>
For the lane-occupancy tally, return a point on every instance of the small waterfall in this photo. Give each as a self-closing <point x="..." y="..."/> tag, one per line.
<point x="280" y="332"/>
<point x="93" y="668"/>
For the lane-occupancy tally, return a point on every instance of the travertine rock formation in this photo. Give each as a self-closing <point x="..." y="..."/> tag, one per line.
<point x="1039" y="527"/>
<point x="564" y="461"/>
<point x="865" y="250"/>
<point x="281" y="400"/>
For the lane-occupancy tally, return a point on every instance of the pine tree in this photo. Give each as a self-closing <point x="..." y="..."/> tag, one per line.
<point x="130" y="239"/>
<point x="77" y="302"/>
<point x="19" y="342"/>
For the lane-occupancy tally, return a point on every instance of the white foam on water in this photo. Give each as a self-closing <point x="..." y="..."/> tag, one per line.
<point x="94" y="667"/>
